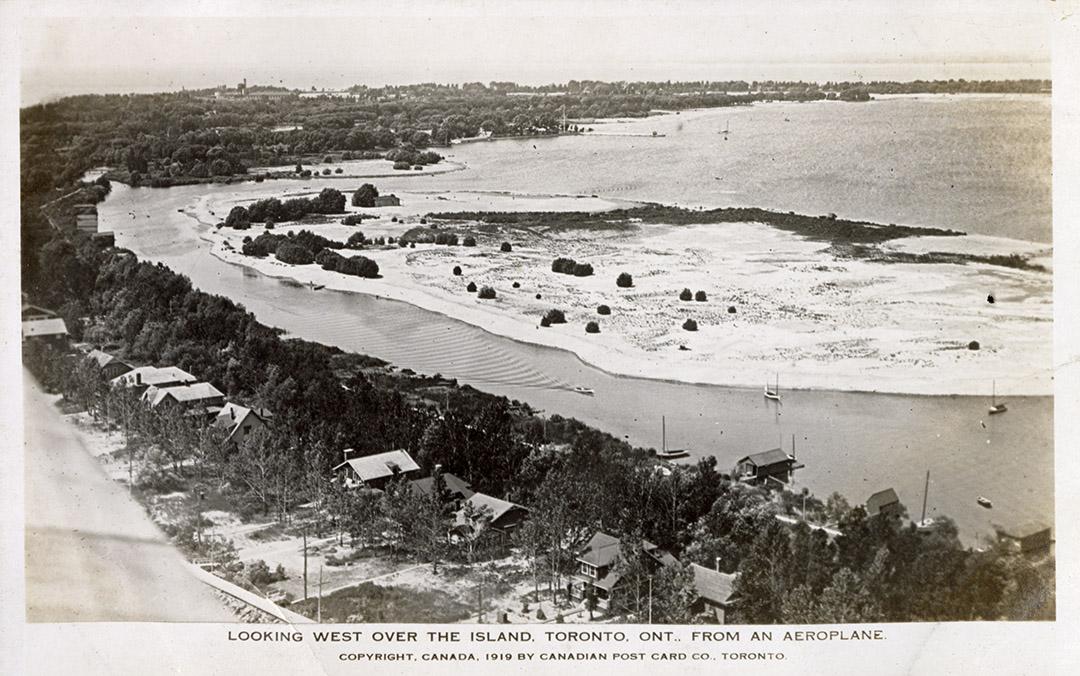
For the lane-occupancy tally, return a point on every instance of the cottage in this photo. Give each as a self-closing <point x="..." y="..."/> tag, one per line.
<point x="884" y="503"/>
<point x="108" y="366"/>
<point x="194" y="398"/>
<point x="481" y="511"/>
<point x="457" y="488"/>
<point x="714" y="592"/>
<point x="375" y="471"/>
<point x="240" y="421"/>
<point x="145" y="376"/>
<point x="598" y="564"/>
<point x="32" y="312"/>
<point x="52" y="332"/>
<point x="387" y="201"/>
<point x="774" y="464"/>
<point x="1029" y="538"/>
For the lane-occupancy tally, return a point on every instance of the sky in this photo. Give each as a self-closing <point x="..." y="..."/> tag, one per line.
<point x="124" y="46"/>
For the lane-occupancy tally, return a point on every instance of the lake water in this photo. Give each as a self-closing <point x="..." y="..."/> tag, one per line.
<point x="852" y="443"/>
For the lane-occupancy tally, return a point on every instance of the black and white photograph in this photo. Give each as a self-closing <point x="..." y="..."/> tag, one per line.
<point x="698" y="315"/>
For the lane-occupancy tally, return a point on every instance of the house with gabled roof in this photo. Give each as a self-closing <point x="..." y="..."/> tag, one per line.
<point x="48" y="331"/>
<point x="108" y="365"/>
<point x="501" y="516"/>
<point x="240" y="421"/>
<point x="714" y="592"/>
<point x="771" y="465"/>
<point x="142" y="377"/>
<point x="457" y="488"/>
<point x="598" y="567"/>
<point x="196" y="399"/>
<point x="375" y="471"/>
<point x="883" y="503"/>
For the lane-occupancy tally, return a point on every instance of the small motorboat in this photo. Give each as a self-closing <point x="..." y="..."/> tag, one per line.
<point x="317" y="287"/>
<point x="584" y="390"/>
<point x="984" y="502"/>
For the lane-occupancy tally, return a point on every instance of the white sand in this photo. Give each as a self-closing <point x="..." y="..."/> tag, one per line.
<point x="821" y="322"/>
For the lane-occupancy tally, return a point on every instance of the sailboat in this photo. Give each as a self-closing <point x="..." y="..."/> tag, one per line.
<point x="727" y="128"/>
<point x="664" y="453"/>
<point x="774" y="393"/>
<point x="995" y="407"/>
<point x="925" y="525"/>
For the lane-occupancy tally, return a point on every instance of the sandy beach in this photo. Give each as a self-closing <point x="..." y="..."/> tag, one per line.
<point x="817" y="321"/>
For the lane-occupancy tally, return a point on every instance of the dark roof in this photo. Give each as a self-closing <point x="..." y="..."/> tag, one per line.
<point x="712" y="585"/>
<point x="601" y="550"/>
<point x="880" y="499"/>
<point x="771" y="457"/>
<point x="454" y="484"/>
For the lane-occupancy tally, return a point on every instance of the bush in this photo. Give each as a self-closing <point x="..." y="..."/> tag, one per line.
<point x="540" y="614"/>
<point x="305" y="173"/>
<point x="365" y="196"/>
<point x="517" y="285"/>
<point x="731" y="309"/>
<point x="339" y="170"/>
<point x="690" y="325"/>
<point x="505" y="247"/>
<point x="555" y="317"/>
<point x="973" y="345"/>
<point x="423" y="221"/>
<point x="469" y="241"/>
<point x="447" y="238"/>
<point x="326" y="172"/>
<point x="402" y="165"/>
<point x="294" y="254"/>
<point x="487" y="293"/>
<point x="685" y="294"/>
<point x="563" y="265"/>
<point x="545" y="322"/>
<point x="700" y="297"/>
<point x="624" y="281"/>
<point x="592" y="327"/>
<point x="582" y="270"/>
<point x="238" y="216"/>
<point x="603" y="310"/>
<point x="471" y="288"/>
<point x="457" y="270"/>
<point x="328" y="158"/>
<point x="357" y="240"/>
<point x="538" y="296"/>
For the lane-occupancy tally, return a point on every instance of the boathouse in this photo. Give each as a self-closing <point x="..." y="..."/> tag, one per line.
<point x="884" y="503"/>
<point x="1032" y="537"/>
<point x="774" y="464"/>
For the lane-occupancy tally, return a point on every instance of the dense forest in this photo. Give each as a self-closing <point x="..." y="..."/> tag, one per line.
<point x="578" y="478"/>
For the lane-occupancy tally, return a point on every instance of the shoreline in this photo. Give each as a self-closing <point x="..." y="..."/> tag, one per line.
<point x="618" y="360"/>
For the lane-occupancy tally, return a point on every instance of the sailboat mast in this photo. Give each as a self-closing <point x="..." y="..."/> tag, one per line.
<point x="663" y="433"/>
<point x="926" y="489"/>
<point x="993" y="393"/>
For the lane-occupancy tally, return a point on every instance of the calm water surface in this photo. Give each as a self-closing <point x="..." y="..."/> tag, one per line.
<point x="852" y="443"/>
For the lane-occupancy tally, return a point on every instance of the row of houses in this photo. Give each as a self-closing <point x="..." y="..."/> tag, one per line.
<point x="598" y="563"/>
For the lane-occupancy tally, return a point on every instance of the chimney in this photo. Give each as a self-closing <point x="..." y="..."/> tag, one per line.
<point x="138" y="379"/>
<point x="718" y="564"/>
<point x="232" y="413"/>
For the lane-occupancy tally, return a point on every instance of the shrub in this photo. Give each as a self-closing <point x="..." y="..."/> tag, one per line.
<point x="517" y="285"/>
<point x="487" y="293"/>
<point x="447" y="238"/>
<point x="394" y="219"/>
<point x="563" y="265"/>
<point x="471" y="288"/>
<point x="328" y="158"/>
<point x="402" y="165"/>
<point x="412" y="245"/>
<point x="423" y="221"/>
<point x="540" y="614"/>
<point x="973" y="345"/>
<point x="328" y="259"/>
<point x="690" y="325"/>
<point x="365" y="196"/>
<point x="326" y="172"/>
<point x="468" y="241"/>
<point x="555" y="317"/>
<point x="592" y="327"/>
<point x="505" y="247"/>
<point x="545" y="322"/>
<point x="700" y="297"/>
<point x="294" y="254"/>
<point x="339" y="170"/>
<point x="238" y="216"/>
<point x="582" y="270"/>
<point x="731" y="309"/>
<point x="685" y="294"/>
<point x="624" y="281"/>
<point x="538" y="296"/>
<point x="457" y="270"/>
<point x="356" y="240"/>
<point x="299" y="168"/>
<point x="305" y="173"/>
<point x="603" y="310"/>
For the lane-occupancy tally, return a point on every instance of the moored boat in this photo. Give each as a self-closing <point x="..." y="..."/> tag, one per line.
<point x="773" y="393"/>
<point x="664" y="453"/>
<point x="584" y="390"/>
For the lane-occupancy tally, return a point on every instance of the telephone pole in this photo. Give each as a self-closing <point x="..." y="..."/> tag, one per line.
<point x="305" y="562"/>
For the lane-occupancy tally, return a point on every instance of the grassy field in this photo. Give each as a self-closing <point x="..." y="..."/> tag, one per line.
<point x="370" y="602"/>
